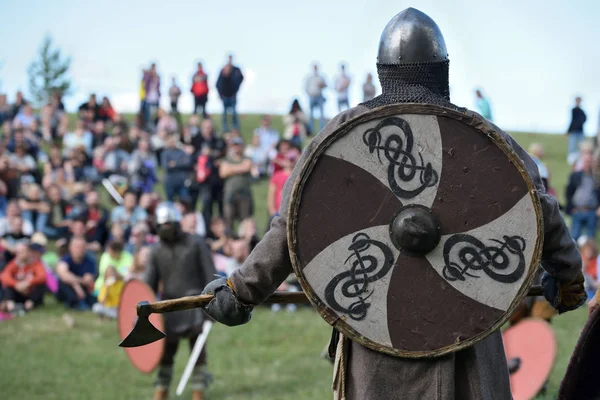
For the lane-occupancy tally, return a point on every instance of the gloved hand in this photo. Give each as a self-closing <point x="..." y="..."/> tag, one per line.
<point x="225" y="307"/>
<point x="564" y="296"/>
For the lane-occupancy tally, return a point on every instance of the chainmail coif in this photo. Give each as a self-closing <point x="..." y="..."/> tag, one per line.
<point x="423" y="82"/>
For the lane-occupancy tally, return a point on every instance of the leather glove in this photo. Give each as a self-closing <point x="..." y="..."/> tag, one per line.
<point x="564" y="296"/>
<point x="225" y="307"/>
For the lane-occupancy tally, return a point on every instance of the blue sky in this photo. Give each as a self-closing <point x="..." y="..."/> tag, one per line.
<point x="531" y="57"/>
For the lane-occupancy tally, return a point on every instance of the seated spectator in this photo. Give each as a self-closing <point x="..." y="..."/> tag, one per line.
<point x="115" y="160"/>
<point x="17" y="107"/>
<point x="114" y="257"/>
<point x="76" y="276"/>
<point x="53" y="220"/>
<point x="195" y="219"/>
<point x="142" y="167"/>
<point x="295" y="123"/>
<point x="99" y="134"/>
<point x="268" y="137"/>
<point x="165" y="122"/>
<point x="24" y="163"/>
<point x="22" y="138"/>
<point x="14" y="236"/>
<point x="237" y="194"/>
<point x="138" y="268"/>
<point x="189" y="223"/>
<point x="178" y="168"/>
<point x="14" y="211"/>
<point x="138" y="238"/>
<point x="33" y="205"/>
<point x="23" y="280"/>
<point x="248" y="233"/>
<point x="218" y="235"/>
<point x="129" y="213"/>
<point x="109" y="294"/>
<point x="25" y="117"/>
<point x="79" y="138"/>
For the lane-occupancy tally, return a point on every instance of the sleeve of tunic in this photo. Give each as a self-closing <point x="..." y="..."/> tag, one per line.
<point x="560" y="256"/>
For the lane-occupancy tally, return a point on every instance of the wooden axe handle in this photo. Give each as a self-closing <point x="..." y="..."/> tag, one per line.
<point x="186" y="303"/>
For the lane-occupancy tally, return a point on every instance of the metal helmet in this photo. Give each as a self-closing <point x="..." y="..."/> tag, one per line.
<point x="167" y="212"/>
<point x="411" y="37"/>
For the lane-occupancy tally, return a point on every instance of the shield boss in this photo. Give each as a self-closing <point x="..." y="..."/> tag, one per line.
<point x="415" y="230"/>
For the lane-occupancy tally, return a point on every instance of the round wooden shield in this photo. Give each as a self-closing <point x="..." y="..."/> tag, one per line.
<point x="144" y="358"/>
<point x="415" y="230"/>
<point x="532" y="341"/>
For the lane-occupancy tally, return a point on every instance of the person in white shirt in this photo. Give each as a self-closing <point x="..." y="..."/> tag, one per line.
<point x="314" y="88"/>
<point x="342" y="84"/>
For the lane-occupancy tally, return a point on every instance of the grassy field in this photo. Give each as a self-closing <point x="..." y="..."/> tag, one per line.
<point x="276" y="356"/>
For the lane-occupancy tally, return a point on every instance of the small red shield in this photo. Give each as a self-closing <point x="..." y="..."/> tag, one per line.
<point x="533" y="342"/>
<point x="144" y="358"/>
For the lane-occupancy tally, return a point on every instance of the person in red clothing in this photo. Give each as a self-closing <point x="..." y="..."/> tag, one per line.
<point x="23" y="279"/>
<point x="278" y="181"/>
<point x="200" y="90"/>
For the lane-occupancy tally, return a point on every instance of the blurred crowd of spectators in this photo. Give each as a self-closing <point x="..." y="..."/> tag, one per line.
<point x="78" y="191"/>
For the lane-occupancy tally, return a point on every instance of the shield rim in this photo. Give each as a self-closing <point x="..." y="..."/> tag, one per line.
<point x="470" y="118"/>
<point x="159" y="326"/>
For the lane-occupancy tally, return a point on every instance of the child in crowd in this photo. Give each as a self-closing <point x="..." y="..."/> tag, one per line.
<point x="589" y="256"/>
<point x="109" y="294"/>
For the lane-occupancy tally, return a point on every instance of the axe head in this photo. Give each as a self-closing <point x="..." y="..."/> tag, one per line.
<point x="143" y="331"/>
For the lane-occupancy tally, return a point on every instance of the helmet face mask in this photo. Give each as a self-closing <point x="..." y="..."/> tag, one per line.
<point x="168" y="219"/>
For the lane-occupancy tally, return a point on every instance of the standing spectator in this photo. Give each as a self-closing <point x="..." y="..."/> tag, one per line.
<point x="228" y="85"/>
<point x="200" y="90"/>
<point x="212" y="151"/>
<point x="20" y="102"/>
<point x="295" y="131"/>
<point x="314" y="88"/>
<point x="23" y="280"/>
<point x="76" y="276"/>
<point x="152" y="99"/>
<point x="483" y="105"/>
<point x="5" y="110"/>
<point x="177" y="165"/>
<point x="583" y="199"/>
<point x="237" y="195"/>
<point x="368" y="88"/>
<point x="277" y="182"/>
<point x="342" y="85"/>
<point x="174" y="93"/>
<point x="575" y="131"/>
<point x="268" y="139"/>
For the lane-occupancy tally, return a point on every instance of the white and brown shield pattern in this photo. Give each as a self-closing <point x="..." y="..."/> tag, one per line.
<point x="376" y="291"/>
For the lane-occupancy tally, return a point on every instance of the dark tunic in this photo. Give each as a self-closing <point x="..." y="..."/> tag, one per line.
<point x="184" y="268"/>
<point x="476" y="373"/>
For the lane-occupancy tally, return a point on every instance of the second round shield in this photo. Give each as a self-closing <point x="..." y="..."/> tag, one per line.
<point x="144" y="358"/>
<point x="414" y="230"/>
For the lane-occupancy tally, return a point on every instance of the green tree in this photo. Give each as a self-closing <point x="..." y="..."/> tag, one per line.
<point x="49" y="73"/>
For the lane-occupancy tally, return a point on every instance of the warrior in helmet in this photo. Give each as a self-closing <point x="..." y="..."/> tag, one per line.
<point x="413" y="66"/>
<point x="183" y="264"/>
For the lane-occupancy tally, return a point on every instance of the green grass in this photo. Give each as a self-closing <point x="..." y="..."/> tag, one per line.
<point x="276" y="356"/>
